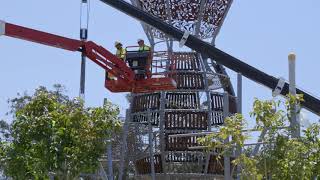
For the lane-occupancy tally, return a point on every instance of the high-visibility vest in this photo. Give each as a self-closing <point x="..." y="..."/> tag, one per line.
<point x="121" y="53"/>
<point x="144" y="48"/>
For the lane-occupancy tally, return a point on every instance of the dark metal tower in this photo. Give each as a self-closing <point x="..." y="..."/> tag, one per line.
<point x="196" y="106"/>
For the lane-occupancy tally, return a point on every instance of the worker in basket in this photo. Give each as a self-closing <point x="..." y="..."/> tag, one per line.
<point x="142" y="46"/>
<point x="145" y="49"/>
<point x="138" y="60"/>
<point x="121" y="54"/>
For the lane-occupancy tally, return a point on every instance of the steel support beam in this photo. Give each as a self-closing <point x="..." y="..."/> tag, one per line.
<point x="311" y="102"/>
<point x="239" y="110"/>
<point x="162" y="132"/>
<point x="145" y="27"/>
<point x="200" y="16"/>
<point x="226" y="156"/>
<point x="221" y="70"/>
<point x="260" y="139"/>
<point x="151" y="153"/>
<point x="124" y="144"/>
<point x="207" y="159"/>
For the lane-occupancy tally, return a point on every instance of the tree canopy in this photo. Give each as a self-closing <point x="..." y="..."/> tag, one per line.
<point x="52" y="134"/>
<point x="281" y="156"/>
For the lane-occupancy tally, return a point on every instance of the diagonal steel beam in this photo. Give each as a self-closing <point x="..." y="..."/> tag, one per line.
<point x="310" y="102"/>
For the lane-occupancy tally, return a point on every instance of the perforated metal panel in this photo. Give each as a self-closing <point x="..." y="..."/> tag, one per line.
<point x="143" y="165"/>
<point x="186" y="120"/>
<point x="185" y="14"/>
<point x="182" y="100"/>
<point x="145" y="102"/>
<point x="181" y="143"/>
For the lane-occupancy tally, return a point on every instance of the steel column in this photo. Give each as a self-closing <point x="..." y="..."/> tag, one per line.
<point x="226" y="156"/>
<point x="151" y="153"/>
<point x="295" y="126"/>
<point x="239" y="93"/>
<point x="161" y="128"/>
<point x="200" y="15"/>
<point x="239" y="110"/>
<point x="110" y="165"/>
<point x="207" y="160"/>
<point x="124" y="143"/>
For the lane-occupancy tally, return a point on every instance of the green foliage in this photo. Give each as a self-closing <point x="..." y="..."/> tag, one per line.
<point x="267" y="115"/>
<point x="248" y="167"/>
<point x="281" y="157"/>
<point x="52" y="134"/>
<point x="233" y="126"/>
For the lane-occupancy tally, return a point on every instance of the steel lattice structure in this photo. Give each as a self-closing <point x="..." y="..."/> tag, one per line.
<point x="198" y="104"/>
<point x="203" y="18"/>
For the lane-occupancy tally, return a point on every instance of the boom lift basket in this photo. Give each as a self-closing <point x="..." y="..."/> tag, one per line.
<point x="139" y="61"/>
<point x="151" y="72"/>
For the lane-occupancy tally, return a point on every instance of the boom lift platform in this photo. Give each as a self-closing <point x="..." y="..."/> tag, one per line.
<point x="126" y="79"/>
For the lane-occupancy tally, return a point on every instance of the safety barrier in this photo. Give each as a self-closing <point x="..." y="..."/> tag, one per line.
<point x="186" y="120"/>
<point x="143" y="118"/>
<point x="145" y="102"/>
<point x="144" y="165"/>
<point x="215" y="166"/>
<point x="181" y="143"/>
<point x="183" y="157"/>
<point x="189" y="80"/>
<point x="182" y="100"/>
<point x="186" y="61"/>
<point x="217" y="102"/>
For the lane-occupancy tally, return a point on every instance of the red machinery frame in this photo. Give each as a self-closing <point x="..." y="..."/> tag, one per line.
<point x="125" y="77"/>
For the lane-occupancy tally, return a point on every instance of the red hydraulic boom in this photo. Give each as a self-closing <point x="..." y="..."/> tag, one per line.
<point x="125" y="80"/>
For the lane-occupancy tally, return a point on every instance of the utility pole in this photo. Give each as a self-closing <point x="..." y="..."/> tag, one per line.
<point x="295" y="124"/>
<point x="84" y="24"/>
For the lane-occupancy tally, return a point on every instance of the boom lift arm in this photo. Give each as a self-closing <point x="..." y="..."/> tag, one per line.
<point x="125" y="76"/>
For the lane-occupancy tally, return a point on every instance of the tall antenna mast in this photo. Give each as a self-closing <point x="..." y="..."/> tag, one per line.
<point x="84" y="25"/>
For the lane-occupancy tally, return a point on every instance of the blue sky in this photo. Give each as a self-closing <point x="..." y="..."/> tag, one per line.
<point x="261" y="33"/>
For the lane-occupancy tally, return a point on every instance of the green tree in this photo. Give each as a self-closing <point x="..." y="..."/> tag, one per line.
<point x="53" y="134"/>
<point x="281" y="157"/>
<point x="4" y="137"/>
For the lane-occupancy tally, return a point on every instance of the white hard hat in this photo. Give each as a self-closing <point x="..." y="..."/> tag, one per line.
<point x="117" y="43"/>
<point x="140" y="40"/>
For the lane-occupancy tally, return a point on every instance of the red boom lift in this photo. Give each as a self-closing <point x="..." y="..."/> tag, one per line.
<point x="125" y="81"/>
